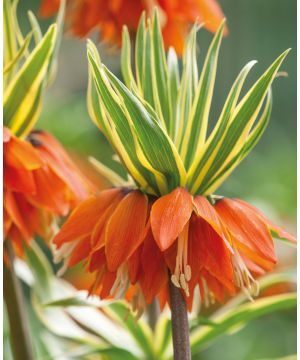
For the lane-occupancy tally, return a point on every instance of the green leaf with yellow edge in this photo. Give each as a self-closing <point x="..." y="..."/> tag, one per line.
<point x="159" y="74"/>
<point x="198" y="117"/>
<point x="21" y="92"/>
<point x="140" y="52"/>
<point x="207" y="154"/>
<point x="249" y="144"/>
<point x="120" y="132"/>
<point x="139" y="329"/>
<point x="239" y="127"/>
<point x="10" y="40"/>
<point x="204" y="335"/>
<point x="173" y="87"/>
<point x="126" y="59"/>
<point x="19" y="54"/>
<point x="156" y="145"/>
<point x="188" y="85"/>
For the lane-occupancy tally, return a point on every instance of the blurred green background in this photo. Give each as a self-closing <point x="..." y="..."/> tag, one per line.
<point x="258" y="29"/>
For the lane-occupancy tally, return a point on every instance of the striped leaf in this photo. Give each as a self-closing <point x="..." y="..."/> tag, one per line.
<point x="144" y="136"/>
<point x="188" y="85"/>
<point x="204" y="335"/>
<point x="20" y="95"/>
<point x="209" y="151"/>
<point x="196" y="128"/>
<point x="120" y="133"/>
<point x="239" y="127"/>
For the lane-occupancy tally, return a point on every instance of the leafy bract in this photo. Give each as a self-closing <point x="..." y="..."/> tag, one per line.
<point x="157" y="122"/>
<point x="27" y="72"/>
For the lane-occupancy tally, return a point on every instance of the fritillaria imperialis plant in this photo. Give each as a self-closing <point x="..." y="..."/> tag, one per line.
<point x="41" y="182"/>
<point x="163" y="232"/>
<point x="108" y="17"/>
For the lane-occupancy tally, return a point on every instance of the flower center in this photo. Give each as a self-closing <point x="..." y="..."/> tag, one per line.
<point x="183" y="271"/>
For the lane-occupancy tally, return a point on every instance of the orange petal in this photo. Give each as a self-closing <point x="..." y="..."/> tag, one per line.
<point x="214" y="286"/>
<point x="207" y="212"/>
<point x="211" y="14"/>
<point x="155" y="275"/>
<point x="125" y="229"/>
<point x="51" y="151"/>
<point x="98" y="234"/>
<point x="83" y="219"/>
<point x="281" y="233"/>
<point x="21" y="154"/>
<point x="51" y="193"/>
<point x="169" y="214"/>
<point x="134" y="265"/>
<point x="247" y="227"/>
<point x="13" y="211"/>
<point x="37" y="220"/>
<point x="19" y="179"/>
<point x="97" y="260"/>
<point x="80" y="252"/>
<point x="49" y="7"/>
<point x="213" y="253"/>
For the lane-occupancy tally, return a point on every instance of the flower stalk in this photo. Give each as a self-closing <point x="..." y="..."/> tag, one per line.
<point x="180" y="325"/>
<point x="18" y="322"/>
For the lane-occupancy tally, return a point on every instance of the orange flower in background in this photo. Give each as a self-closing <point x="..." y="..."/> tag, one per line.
<point x="132" y="241"/>
<point x="109" y="17"/>
<point x="40" y="183"/>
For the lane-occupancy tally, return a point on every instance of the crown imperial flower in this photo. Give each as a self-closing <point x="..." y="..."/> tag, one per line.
<point x="40" y="180"/>
<point x="165" y="221"/>
<point x="109" y="17"/>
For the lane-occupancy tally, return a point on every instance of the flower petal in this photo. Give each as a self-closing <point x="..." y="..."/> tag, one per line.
<point x="85" y="216"/>
<point x="207" y="212"/>
<point x="169" y="214"/>
<point x="134" y="265"/>
<point x="281" y="233"/>
<point x="213" y="252"/>
<point x="51" y="151"/>
<point x="155" y="274"/>
<point x="80" y="252"/>
<point x="211" y="14"/>
<point x="21" y="154"/>
<point x="13" y="211"/>
<point x="125" y="229"/>
<point x="247" y="228"/>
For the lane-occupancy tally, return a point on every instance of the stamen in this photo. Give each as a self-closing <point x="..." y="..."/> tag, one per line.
<point x="206" y="293"/>
<point x="175" y="281"/>
<point x="63" y="253"/>
<point x="183" y="272"/>
<point x="243" y="278"/>
<point x="121" y="283"/>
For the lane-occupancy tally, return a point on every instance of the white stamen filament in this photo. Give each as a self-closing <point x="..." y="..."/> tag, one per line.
<point x="63" y="253"/>
<point x="243" y="278"/>
<point x="208" y="296"/>
<point x="121" y="283"/>
<point x="183" y="273"/>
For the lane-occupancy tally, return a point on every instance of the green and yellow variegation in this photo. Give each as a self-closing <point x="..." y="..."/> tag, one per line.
<point x="27" y="69"/>
<point x="157" y="122"/>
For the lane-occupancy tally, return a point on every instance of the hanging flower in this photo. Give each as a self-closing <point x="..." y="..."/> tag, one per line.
<point x="40" y="183"/>
<point x="40" y="180"/>
<point x="109" y="17"/>
<point x="164" y="222"/>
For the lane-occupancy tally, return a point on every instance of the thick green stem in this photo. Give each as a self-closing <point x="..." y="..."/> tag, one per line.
<point x="19" y="332"/>
<point x="180" y="325"/>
